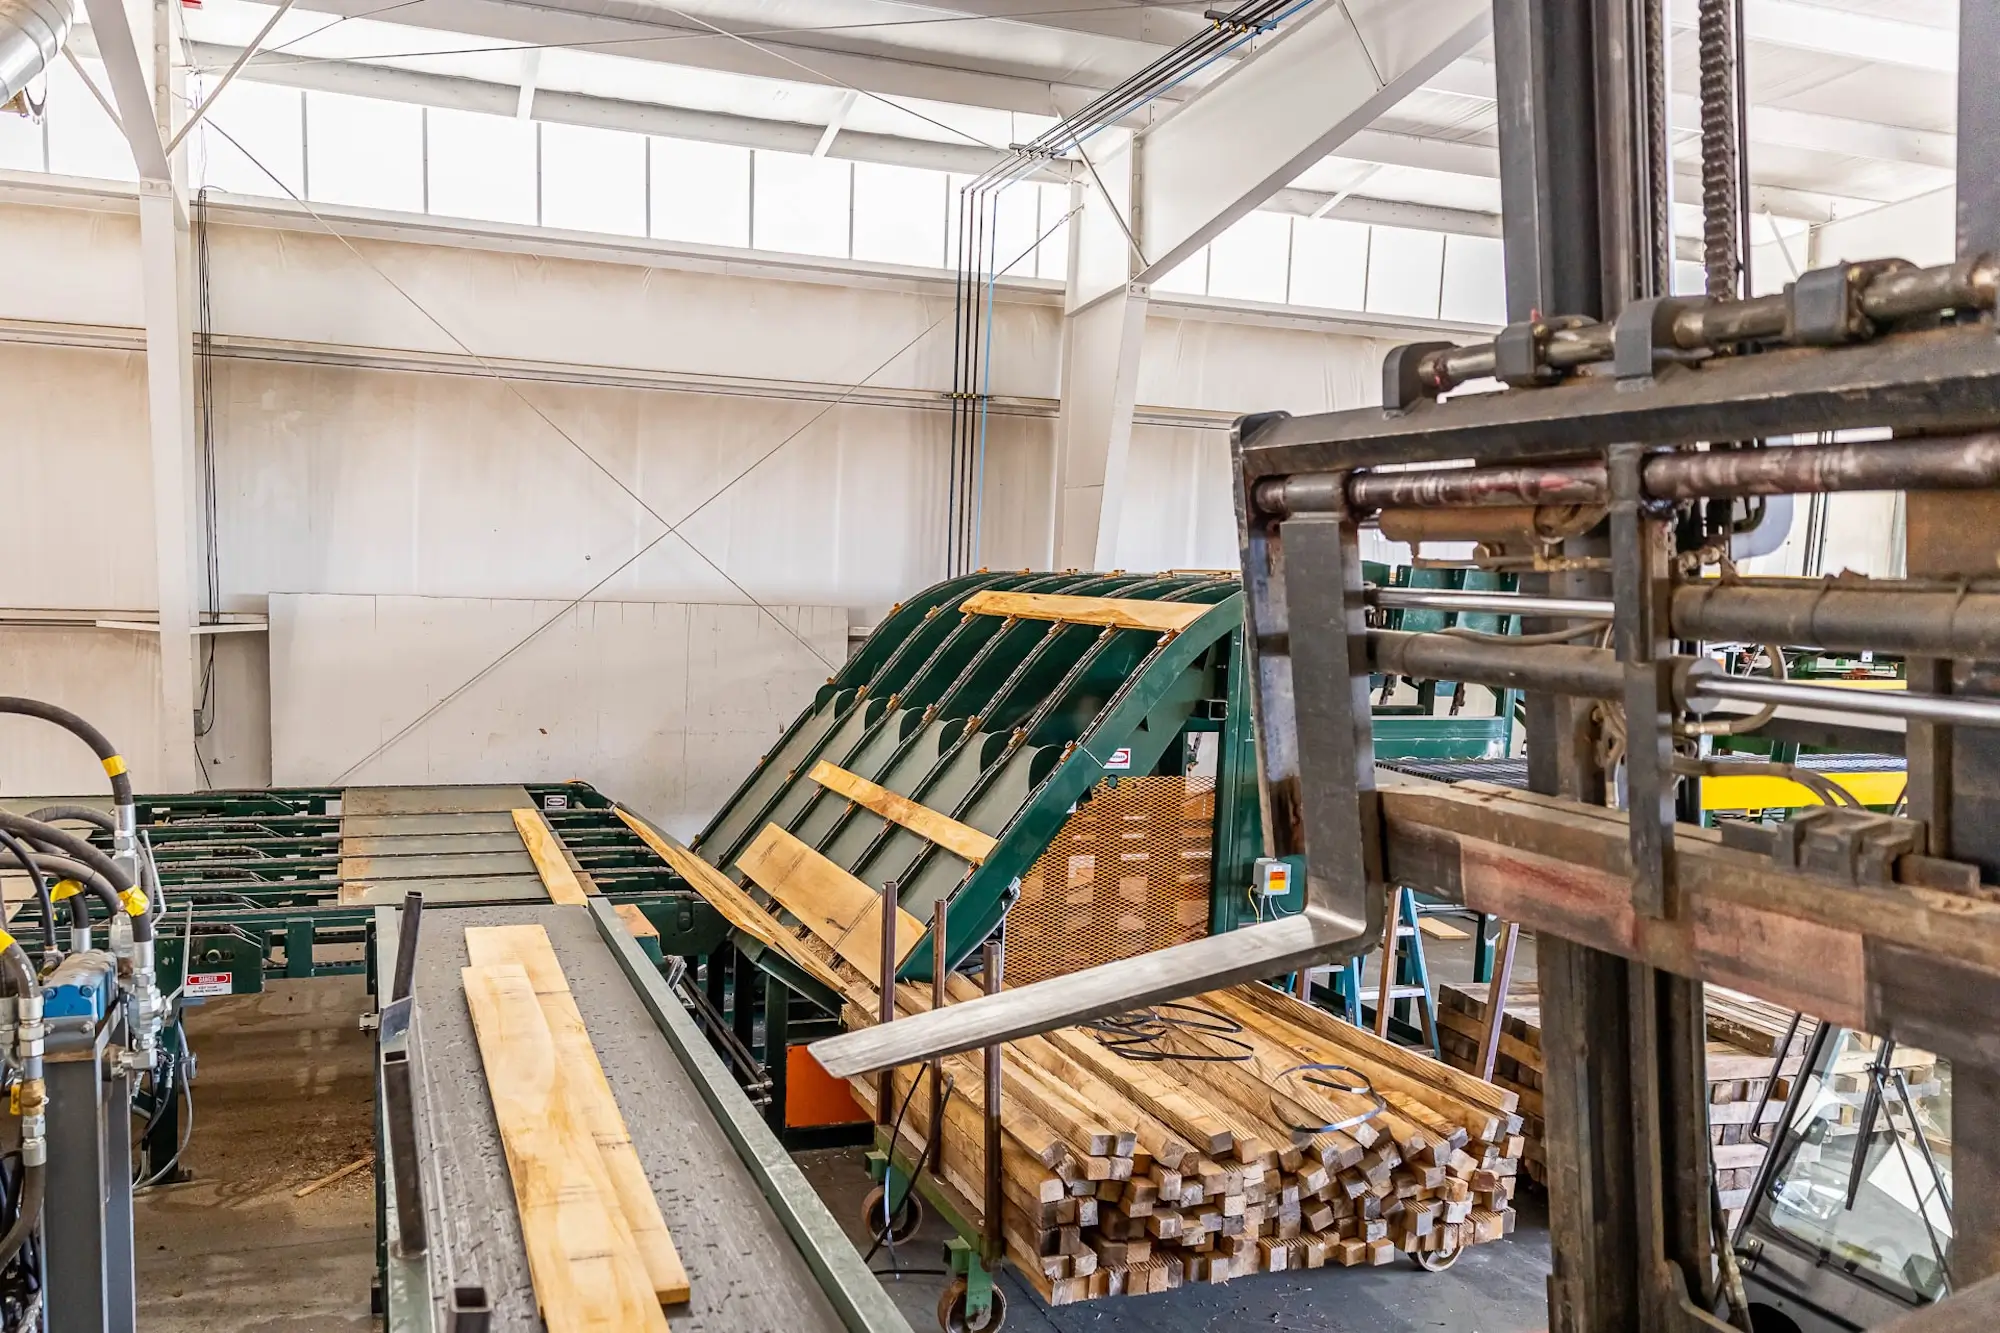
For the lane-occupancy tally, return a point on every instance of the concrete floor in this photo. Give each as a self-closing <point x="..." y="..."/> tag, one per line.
<point x="283" y="1098"/>
<point x="1497" y="1288"/>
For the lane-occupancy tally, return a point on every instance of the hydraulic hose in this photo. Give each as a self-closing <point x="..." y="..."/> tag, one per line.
<point x="12" y="844"/>
<point x="79" y="849"/>
<point x="19" y="975"/>
<point x="125" y="834"/>
<point x="87" y="814"/>
<point x="69" y="868"/>
<point x="80" y="814"/>
<point x="33" y="1182"/>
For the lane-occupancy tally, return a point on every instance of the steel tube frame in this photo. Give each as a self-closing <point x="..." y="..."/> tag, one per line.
<point x="1967" y="462"/>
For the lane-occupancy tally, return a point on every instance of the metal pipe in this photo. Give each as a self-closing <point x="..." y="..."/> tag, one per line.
<point x="1887" y="617"/>
<point x="1967" y="462"/>
<point x="1497" y="603"/>
<point x="1588" y="673"/>
<point x="1887" y="297"/>
<point x="1949" y="709"/>
<point x="1961" y="462"/>
<point x="885" y="1081"/>
<point x="936" y="1151"/>
<point x="993" y="959"/>
<point x="32" y="33"/>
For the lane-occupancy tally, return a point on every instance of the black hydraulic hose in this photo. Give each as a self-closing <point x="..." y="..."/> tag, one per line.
<point x="80" y="814"/>
<point x="80" y="849"/>
<point x="65" y="867"/>
<point x="107" y="753"/>
<point x="29" y="1216"/>
<point x="19" y="972"/>
<point x="10" y="843"/>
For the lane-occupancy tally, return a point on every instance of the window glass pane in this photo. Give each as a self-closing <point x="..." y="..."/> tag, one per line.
<point x="701" y="192"/>
<point x="1248" y="261"/>
<point x="481" y="166"/>
<point x="1190" y="278"/>
<point x="83" y="141"/>
<point x="1690" y="278"/>
<point x="1475" y="280"/>
<point x="252" y="124"/>
<point x="899" y="214"/>
<point x="21" y="140"/>
<point x="1405" y="270"/>
<point x="802" y="204"/>
<point x="1329" y="263"/>
<point x="363" y="152"/>
<point x="1052" y="258"/>
<point x="593" y="180"/>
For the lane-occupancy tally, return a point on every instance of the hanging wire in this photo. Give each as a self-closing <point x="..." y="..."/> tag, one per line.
<point x="979" y="205"/>
<point x="204" y="384"/>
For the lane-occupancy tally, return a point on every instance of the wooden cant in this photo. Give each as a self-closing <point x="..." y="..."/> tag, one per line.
<point x="1128" y="1176"/>
<point x="1264" y="1135"/>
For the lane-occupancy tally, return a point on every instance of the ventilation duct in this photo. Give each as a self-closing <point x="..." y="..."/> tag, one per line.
<point x="32" y="33"/>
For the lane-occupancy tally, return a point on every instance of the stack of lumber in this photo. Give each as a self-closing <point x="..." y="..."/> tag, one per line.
<point x="1743" y="1037"/>
<point x="1122" y="1176"/>
<point x="1128" y="1176"/>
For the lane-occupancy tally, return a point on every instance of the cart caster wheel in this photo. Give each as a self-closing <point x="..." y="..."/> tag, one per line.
<point x="901" y="1227"/>
<point x="1436" y="1261"/>
<point x="951" y="1311"/>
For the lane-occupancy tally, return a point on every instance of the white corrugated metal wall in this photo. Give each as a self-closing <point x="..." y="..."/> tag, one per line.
<point x="365" y="446"/>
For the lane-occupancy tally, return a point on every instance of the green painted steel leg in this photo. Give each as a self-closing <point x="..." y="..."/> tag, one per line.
<point x="896" y="1183"/>
<point x="299" y="948"/>
<point x="743" y="1000"/>
<point x="1482" y="950"/>
<point x="962" y="1257"/>
<point x="777" y="1035"/>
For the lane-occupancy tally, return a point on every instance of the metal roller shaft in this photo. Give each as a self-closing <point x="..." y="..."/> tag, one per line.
<point x="1951" y="709"/>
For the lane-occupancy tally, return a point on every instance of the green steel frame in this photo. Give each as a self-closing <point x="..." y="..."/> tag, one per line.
<point x="251" y="880"/>
<point x="1004" y="725"/>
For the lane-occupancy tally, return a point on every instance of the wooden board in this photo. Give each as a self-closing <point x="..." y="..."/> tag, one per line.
<point x="528" y="948"/>
<point x="833" y="904"/>
<point x="587" y="1273"/>
<point x="635" y="921"/>
<point x="960" y="839"/>
<point x="1441" y="930"/>
<point x="728" y="898"/>
<point x="1118" y="612"/>
<point x="546" y="850"/>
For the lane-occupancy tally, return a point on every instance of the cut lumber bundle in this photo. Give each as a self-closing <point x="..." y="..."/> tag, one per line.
<point x="1743" y="1033"/>
<point x="1240" y="1142"/>
<point x="598" y="1249"/>
<point x="1127" y="1176"/>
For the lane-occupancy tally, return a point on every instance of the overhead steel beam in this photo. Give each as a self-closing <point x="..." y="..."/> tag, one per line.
<point x="1778" y="127"/>
<point x="635" y="31"/>
<point x="131" y="86"/>
<point x="1323" y="78"/>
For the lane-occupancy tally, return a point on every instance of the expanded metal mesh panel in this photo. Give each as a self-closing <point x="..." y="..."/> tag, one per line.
<point x="1128" y="873"/>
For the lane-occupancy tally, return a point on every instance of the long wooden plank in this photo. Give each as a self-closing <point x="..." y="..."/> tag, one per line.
<point x="833" y="904"/>
<point x="547" y="854"/>
<point x="960" y="839"/>
<point x="587" y="1273"/>
<point x="727" y="897"/>
<point x="528" y="948"/>
<point x="1118" y="612"/>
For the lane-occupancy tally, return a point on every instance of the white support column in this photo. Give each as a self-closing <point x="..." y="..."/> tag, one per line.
<point x="1100" y="381"/>
<point x="140" y="62"/>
